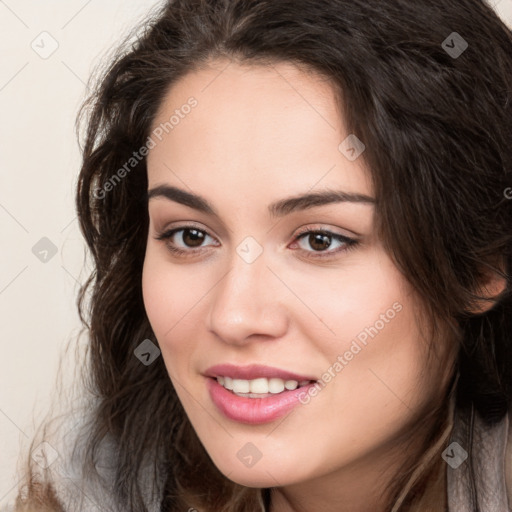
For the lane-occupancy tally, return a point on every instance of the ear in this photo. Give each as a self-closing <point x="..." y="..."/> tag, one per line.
<point x="491" y="287"/>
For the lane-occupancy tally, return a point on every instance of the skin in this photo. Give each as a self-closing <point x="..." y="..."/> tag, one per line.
<point x="259" y="134"/>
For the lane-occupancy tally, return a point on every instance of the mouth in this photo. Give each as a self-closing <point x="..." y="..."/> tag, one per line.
<point x="256" y="394"/>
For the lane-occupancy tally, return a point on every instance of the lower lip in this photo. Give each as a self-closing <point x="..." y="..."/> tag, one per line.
<point x="254" y="411"/>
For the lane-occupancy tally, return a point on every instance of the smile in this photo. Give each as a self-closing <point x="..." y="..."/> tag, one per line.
<point x="255" y="394"/>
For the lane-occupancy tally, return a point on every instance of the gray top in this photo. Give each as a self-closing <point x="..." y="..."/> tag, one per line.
<point x="478" y="461"/>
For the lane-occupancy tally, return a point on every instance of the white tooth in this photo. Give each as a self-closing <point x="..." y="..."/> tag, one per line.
<point x="291" y="384"/>
<point x="240" y="386"/>
<point x="275" y="385"/>
<point x="303" y="382"/>
<point x="259" y="385"/>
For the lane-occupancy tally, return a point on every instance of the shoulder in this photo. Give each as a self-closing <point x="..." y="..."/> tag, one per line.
<point x="57" y="480"/>
<point x="479" y="463"/>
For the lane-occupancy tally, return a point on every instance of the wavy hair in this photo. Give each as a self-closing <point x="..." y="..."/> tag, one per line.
<point x="438" y="134"/>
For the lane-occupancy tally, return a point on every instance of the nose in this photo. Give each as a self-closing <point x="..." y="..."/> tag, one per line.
<point x="247" y="304"/>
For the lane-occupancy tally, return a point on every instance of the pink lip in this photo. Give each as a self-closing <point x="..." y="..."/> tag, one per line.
<point x="253" y="371"/>
<point x="254" y="411"/>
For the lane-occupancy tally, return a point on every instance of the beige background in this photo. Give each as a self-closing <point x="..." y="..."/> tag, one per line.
<point x="39" y="161"/>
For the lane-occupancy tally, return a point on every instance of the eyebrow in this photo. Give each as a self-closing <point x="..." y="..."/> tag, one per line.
<point x="277" y="209"/>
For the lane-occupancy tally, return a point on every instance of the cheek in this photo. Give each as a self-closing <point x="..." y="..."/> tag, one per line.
<point x="174" y="301"/>
<point x="170" y="292"/>
<point x="365" y="300"/>
<point x="376" y="340"/>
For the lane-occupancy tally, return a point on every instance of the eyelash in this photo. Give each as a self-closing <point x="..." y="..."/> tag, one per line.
<point x="350" y="243"/>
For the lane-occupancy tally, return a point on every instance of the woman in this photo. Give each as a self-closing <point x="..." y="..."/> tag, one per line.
<point x="300" y="216"/>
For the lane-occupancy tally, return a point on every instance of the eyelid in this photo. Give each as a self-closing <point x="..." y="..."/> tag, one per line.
<point x="324" y="228"/>
<point x="299" y="231"/>
<point x="184" y="225"/>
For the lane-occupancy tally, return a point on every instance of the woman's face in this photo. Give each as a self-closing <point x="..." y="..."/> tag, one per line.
<point x="250" y="288"/>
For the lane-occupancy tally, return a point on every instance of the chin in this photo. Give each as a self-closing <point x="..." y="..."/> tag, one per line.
<point x="258" y="481"/>
<point x="264" y="473"/>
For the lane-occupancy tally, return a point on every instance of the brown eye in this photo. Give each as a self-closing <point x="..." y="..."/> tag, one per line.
<point x="319" y="241"/>
<point x="192" y="237"/>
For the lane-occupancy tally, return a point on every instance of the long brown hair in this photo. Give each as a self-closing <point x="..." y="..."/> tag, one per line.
<point x="438" y="133"/>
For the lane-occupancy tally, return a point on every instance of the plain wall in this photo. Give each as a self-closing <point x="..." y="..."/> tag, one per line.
<point x="39" y="161"/>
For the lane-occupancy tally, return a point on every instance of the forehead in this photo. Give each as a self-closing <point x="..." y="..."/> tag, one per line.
<point x="254" y="123"/>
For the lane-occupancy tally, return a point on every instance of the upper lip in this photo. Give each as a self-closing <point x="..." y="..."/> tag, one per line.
<point x="253" y="371"/>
